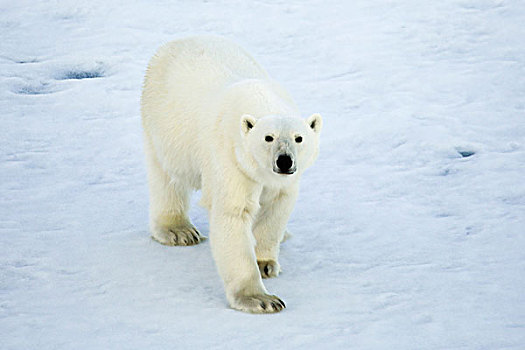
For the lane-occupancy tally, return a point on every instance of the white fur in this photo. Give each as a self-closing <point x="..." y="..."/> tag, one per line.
<point x="200" y="97"/>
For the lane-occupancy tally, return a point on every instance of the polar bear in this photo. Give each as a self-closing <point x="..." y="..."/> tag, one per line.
<point x="214" y="120"/>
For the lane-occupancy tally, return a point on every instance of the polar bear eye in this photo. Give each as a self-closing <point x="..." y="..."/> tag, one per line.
<point x="268" y="138"/>
<point x="298" y="139"/>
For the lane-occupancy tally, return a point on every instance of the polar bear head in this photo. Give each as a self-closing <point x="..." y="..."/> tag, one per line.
<point x="281" y="146"/>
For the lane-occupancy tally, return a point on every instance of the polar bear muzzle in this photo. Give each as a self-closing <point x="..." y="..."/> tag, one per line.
<point x="284" y="164"/>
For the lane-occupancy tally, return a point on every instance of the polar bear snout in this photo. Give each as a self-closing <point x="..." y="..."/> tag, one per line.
<point x="284" y="164"/>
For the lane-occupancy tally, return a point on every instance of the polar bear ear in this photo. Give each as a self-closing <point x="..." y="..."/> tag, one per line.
<point x="315" y="121"/>
<point x="247" y="123"/>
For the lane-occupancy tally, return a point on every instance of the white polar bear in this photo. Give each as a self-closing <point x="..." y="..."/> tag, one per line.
<point x="214" y="120"/>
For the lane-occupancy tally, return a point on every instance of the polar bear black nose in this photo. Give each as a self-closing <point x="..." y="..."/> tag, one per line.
<point x="284" y="163"/>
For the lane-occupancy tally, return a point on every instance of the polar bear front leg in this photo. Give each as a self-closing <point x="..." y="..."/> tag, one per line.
<point x="270" y="227"/>
<point x="232" y="247"/>
<point x="169" y="202"/>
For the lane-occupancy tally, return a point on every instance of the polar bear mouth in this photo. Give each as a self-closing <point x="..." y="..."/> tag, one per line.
<point x="291" y="172"/>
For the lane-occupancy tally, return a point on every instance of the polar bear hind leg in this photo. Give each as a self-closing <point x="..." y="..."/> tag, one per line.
<point x="169" y="203"/>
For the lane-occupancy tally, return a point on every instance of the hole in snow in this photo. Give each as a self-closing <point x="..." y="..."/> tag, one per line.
<point x="466" y="154"/>
<point x="82" y="74"/>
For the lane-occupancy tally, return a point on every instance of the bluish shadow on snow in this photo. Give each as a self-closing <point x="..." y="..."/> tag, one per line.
<point x="33" y="89"/>
<point x="444" y="172"/>
<point x="29" y="60"/>
<point x="75" y="68"/>
<point x="81" y="74"/>
<point x="20" y="60"/>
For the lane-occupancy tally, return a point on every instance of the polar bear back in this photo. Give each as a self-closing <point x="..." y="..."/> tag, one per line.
<point x="204" y="64"/>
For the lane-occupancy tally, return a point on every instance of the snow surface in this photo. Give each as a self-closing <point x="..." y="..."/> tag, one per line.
<point x="400" y="242"/>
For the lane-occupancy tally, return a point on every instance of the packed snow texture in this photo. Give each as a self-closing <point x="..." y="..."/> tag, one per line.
<point x="409" y="232"/>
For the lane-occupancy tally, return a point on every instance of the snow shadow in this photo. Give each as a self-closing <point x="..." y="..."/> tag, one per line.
<point x="81" y="74"/>
<point x="33" y="89"/>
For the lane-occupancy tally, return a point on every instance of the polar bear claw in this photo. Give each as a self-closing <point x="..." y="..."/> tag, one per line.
<point x="182" y="235"/>
<point x="259" y="304"/>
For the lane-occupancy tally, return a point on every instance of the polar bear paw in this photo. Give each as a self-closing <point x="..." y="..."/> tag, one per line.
<point x="269" y="268"/>
<point x="259" y="304"/>
<point x="183" y="235"/>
